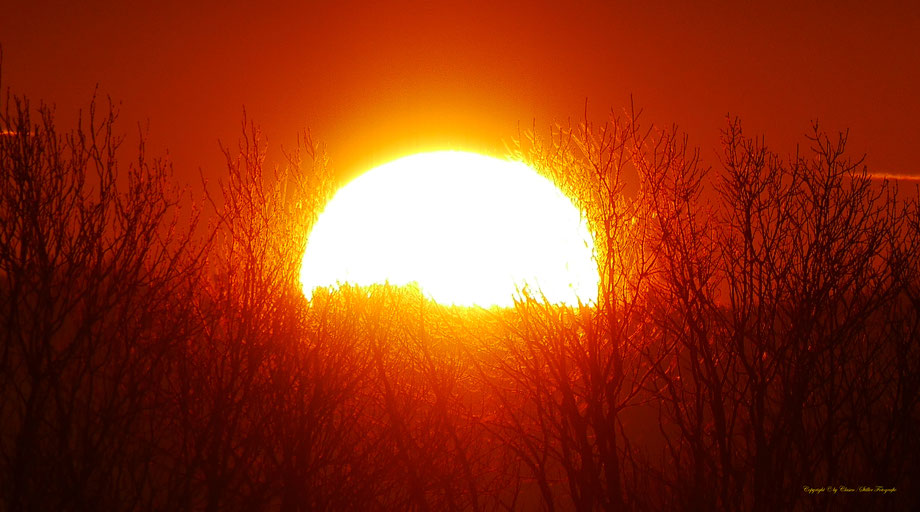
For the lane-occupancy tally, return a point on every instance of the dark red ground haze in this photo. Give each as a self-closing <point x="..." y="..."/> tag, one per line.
<point x="377" y="81"/>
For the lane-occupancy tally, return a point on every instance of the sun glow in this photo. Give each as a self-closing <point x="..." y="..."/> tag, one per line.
<point x="467" y="228"/>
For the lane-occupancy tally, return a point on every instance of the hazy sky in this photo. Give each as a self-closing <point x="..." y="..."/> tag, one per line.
<point x="377" y="80"/>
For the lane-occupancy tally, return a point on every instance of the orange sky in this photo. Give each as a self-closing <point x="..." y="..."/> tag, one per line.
<point x="378" y="81"/>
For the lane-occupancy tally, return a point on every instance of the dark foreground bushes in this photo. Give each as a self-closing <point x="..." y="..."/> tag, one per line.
<point x="755" y="339"/>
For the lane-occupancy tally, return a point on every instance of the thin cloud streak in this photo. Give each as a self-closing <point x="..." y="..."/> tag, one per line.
<point x="893" y="176"/>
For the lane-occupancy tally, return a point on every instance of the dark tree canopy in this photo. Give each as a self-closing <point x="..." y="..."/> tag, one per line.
<point x="756" y="338"/>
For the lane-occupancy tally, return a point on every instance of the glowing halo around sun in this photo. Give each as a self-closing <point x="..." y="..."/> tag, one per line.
<point x="467" y="228"/>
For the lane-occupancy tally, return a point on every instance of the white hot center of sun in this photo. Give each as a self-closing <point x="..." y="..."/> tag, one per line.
<point x="469" y="229"/>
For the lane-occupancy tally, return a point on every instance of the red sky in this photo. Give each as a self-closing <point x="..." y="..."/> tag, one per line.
<point x="377" y="80"/>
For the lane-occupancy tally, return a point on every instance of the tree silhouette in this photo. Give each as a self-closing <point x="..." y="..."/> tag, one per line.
<point x="755" y="335"/>
<point x="93" y="259"/>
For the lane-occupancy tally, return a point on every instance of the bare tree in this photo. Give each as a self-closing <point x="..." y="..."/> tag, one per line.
<point x="755" y="332"/>
<point x="92" y="260"/>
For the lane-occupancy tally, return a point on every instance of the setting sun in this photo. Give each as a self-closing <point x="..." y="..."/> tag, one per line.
<point x="469" y="229"/>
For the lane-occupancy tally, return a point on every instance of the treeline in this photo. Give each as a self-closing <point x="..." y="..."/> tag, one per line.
<point x="756" y="335"/>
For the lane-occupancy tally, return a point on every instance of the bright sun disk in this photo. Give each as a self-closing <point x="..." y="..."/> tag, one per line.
<point x="469" y="229"/>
